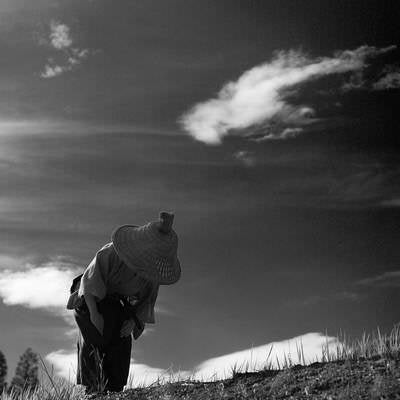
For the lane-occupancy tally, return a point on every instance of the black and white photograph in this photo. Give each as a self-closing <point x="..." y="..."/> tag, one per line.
<point x="199" y="199"/>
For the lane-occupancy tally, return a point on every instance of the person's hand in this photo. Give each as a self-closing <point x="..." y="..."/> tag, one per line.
<point x="127" y="327"/>
<point x="98" y="321"/>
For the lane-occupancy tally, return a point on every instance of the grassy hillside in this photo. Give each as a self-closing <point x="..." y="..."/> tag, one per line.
<point x="375" y="378"/>
<point x="368" y="368"/>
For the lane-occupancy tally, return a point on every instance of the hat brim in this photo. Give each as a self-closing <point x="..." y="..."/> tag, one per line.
<point x="126" y="241"/>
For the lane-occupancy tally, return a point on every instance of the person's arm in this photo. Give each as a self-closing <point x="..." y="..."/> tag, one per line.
<point x="128" y="327"/>
<point x="140" y="313"/>
<point x="132" y="324"/>
<point x="95" y="317"/>
<point x="93" y="286"/>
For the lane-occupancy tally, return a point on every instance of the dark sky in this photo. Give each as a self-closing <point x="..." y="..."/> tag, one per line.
<point x="288" y="221"/>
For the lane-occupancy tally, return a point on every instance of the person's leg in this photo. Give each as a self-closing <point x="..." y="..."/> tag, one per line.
<point x="118" y="350"/>
<point x="103" y="359"/>
<point x="90" y="348"/>
<point x="117" y="362"/>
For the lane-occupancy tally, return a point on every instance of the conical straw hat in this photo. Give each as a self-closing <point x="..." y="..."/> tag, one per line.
<point x="150" y="250"/>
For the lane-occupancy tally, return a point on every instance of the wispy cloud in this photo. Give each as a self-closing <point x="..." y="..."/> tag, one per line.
<point x="286" y="133"/>
<point x="252" y="359"/>
<point x="386" y="280"/>
<point x="345" y="295"/>
<point x="389" y="80"/>
<point x="389" y="279"/>
<point x="365" y="184"/>
<point x="10" y="261"/>
<point x="247" y="158"/>
<point x="355" y="81"/>
<point x="261" y="95"/>
<point x="68" y="55"/>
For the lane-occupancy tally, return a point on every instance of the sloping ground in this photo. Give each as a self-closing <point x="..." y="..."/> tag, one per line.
<point x="373" y="378"/>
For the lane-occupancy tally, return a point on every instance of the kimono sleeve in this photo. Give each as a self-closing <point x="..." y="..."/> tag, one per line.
<point x="94" y="279"/>
<point x="145" y="311"/>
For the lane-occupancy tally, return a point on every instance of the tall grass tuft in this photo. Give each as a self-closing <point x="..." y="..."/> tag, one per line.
<point x="50" y="388"/>
<point x="368" y="346"/>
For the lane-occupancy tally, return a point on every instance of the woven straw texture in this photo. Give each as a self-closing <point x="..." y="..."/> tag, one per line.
<point x="148" y="251"/>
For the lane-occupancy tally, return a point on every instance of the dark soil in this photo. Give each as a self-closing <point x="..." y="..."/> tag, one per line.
<point x="376" y="378"/>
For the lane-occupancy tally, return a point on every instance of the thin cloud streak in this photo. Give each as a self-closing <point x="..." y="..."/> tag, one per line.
<point x="389" y="279"/>
<point x="345" y="295"/>
<point x="287" y="133"/>
<point x="391" y="203"/>
<point x="260" y="95"/>
<point x="48" y="127"/>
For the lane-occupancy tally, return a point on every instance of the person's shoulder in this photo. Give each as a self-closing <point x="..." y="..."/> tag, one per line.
<point x="107" y="251"/>
<point x="107" y="247"/>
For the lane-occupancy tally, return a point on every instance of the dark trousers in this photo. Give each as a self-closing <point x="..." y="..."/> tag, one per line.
<point x="103" y="360"/>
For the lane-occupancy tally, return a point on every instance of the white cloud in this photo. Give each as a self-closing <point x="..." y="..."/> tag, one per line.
<point x="256" y="358"/>
<point x="60" y="36"/>
<point x="45" y="287"/>
<point x="144" y="375"/>
<point x="260" y="95"/>
<point x="273" y="354"/>
<point x="50" y="71"/>
<point x="70" y="56"/>
<point x="64" y="362"/>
